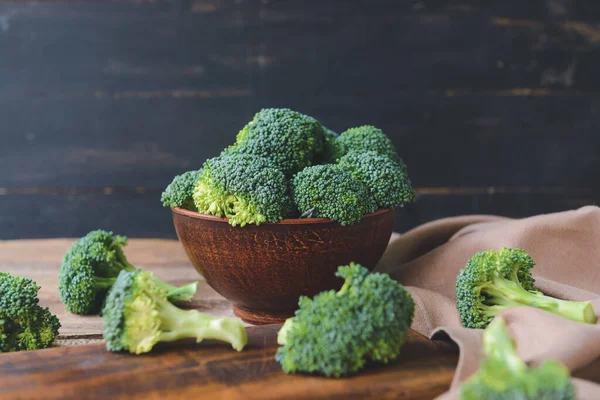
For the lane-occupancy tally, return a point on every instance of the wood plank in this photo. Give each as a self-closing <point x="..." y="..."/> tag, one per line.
<point x="141" y="215"/>
<point x="130" y="93"/>
<point x="214" y="371"/>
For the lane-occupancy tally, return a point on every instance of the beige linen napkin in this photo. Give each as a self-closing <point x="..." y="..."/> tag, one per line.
<point x="566" y="248"/>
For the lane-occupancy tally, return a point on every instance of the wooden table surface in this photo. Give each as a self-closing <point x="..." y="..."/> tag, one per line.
<point x="79" y="366"/>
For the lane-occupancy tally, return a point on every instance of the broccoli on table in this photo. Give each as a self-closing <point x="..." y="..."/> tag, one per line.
<point x="337" y="333"/>
<point x="502" y="375"/>
<point x="364" y="138"/>
<point x="493" y="281"/>
<point x="137" y="315"/>
<point x="329" y="191"/>
<point x="180" y="190"/>
<point x="291" y="140"/>
<point x="91" y="266"/>
<point x="24" y="325"/>
<point x="386" y="179"/>
<point x="244" y="188"/>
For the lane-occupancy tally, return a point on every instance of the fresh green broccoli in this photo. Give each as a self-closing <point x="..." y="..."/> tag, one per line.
<point x="503" y="375"/>
<point x="337" y="333"/>
<point x="364" y="138"/>
<point x="137" y="315"/>
<point x="331" y="192"/>
<point x="291" y="140"/>
<point x="386" y="179"/>
<point x="24" y="325"/>
<point x="91" y="266"/>
<point x="180" y="190"/>
<point x="244" y="188"/>
<point x="493" y="281"/>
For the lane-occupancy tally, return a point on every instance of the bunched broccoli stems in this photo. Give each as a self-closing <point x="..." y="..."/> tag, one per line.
<point x="502" y="294"/>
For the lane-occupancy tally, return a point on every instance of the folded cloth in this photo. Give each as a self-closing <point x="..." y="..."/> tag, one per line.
<point x="566" y="249"/>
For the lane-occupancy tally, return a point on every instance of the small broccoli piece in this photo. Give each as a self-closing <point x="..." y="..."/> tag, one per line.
<point x="364" y="138"/>
<point x="244" y="188"/>
<point x="503" y="375"/>
<point x="329" y="191"/>
<point x="137" y="315"/>
<point x="180" y="190"/>
<point x="91" y="266"/>
<point x="289" y="139"/>
<point x="24" y="325"/>
<point x="337" y="333"/>
<point x="386" y="179"/>
<point x="493" y="281"/>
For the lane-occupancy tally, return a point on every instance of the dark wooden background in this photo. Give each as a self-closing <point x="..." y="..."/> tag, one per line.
<point x="494" y="106"/>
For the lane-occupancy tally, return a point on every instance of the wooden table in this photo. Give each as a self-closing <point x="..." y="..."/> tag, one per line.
<point x="79" y="367"/>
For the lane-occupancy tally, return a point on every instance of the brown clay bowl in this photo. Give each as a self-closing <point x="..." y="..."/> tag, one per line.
<point x="264" y="269"/>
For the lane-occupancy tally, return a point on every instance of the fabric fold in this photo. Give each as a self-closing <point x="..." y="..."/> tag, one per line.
<point x="566" y="249"/>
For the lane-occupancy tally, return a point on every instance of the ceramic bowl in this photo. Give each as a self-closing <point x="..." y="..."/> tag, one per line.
<point x="263" y="270"/>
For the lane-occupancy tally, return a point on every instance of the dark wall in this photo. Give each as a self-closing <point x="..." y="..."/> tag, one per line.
<point x="495" y="109"/>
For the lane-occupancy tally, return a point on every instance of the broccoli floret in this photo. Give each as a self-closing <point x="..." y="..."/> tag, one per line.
<point x="503" y="375"/>
<point x="180" y="190"/>
<point x="244" y="188"/>
<point x="24" y="325"/>
<point x="386" y="179"/>
<point x="331" y="192"/>
<point x="288" y="138"/>
<point x="493" y="281"/>
<point x="137" y="315"/>
<point x="337" y="333"/>
<point x="91" y="266"/>
<point x="364" y="138"/>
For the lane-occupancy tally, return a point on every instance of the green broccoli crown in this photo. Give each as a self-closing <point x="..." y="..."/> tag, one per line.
<point x="24" y="325"/>
<point x="494" y="281"/>
<point x="337" y="333"/>
<point x="90" y="267"/>
<point x="291" y="140"/>
<point x="180" y="190"/>
<point x="137" y="315"/>
<point x="244" y="188"/>
<point x="364" y="138"/>
<point x="329" y="191"/>
<point x="386" y="179"/>
<point x="503" y="375"/>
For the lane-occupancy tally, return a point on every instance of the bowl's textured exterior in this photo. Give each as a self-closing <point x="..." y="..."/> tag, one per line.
<point x="264" y="269"/>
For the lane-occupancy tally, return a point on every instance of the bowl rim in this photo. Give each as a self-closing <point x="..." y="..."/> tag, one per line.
<point x="285" y="221"/>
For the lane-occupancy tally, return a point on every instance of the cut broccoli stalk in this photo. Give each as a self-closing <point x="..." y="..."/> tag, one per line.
<point x="503" y="294"/>
<point x="493" y="281"/>
<point x="137" y="315"/>
<point x="504" y="375"/>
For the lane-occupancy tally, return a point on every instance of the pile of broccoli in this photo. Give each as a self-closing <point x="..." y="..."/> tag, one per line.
<point x="494" y="281"/>
<point x="90" y="268"/>
<point x="502" y="375"/>
<point x="138" y="315"/>
<point x="336" y="333"/>
<point x="285" y="164"/>
<point x="24" y="324"/>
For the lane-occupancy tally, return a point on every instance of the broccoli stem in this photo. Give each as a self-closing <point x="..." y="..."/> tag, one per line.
<point x="104" y="283"/>
<point x="174" y="293"/>
<point x="503" y="293"/>
<point x="179" y="324"/>
<point x="497" y="344"/>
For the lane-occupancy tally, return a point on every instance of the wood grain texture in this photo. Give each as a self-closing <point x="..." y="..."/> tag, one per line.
<point x="215" y="371"/>
<point x="126" y="94"/>
<point x="80" y="367"/>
